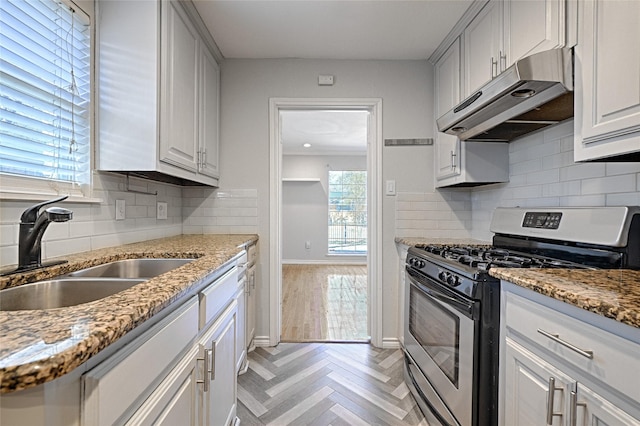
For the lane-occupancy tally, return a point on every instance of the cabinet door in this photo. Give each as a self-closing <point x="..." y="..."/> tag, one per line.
<point x="174" y="401"/>
<point x="251" y="307"/>
<point x="607" y="116"/>
<point x="447" y="77"/>
<point x="483" y="47"/>
<point x="527" y="387"/>
<point x="531" y="27"/>
<point x="219" y="400"/>
<point x="209" y="114"/>
<point x="179" y="76"/>
<point x="241" y="348"/>
<point x="592" y="409"/>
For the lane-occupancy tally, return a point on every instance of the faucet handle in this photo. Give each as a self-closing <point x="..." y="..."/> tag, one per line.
<point x="31" y="214"/>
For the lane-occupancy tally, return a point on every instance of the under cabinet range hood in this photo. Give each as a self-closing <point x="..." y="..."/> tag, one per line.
<point x="535" y="92"/>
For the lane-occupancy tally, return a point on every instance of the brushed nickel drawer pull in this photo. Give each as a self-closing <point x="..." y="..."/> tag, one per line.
<point x="550" y="398"/>
<point x="573" y="408"/>
<point x="556" y="338"/>
<point x="205" y="382"/>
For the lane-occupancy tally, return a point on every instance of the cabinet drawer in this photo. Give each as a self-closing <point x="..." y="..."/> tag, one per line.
<point x="217" y="296"/>
<point x="121" y="382"/>
<point x="613" y="361"/>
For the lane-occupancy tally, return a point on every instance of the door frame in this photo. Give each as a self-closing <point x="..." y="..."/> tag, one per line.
<point x="374" y="205"/>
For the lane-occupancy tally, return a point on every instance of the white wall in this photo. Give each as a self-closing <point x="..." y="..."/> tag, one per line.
<point x="542" y="173"/>
<point x="305" y="207"/>
<point x="93" y="225"/>
<point x="406" y="90"/>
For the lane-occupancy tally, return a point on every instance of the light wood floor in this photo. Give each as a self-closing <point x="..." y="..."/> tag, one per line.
<point x="321" y="384"/>
<point x="324" y="303"/>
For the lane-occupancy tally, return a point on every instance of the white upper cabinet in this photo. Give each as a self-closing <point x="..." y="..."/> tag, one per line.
<point x="179" y="110"/>
<point x="483" y="47"/>
<point x="447" y="75"/>
<point x="459" y="163"/>
<point x="209" y="114"/>
<point x="158" y="92"/>
<point x="507" y="30"/>
<point x="531" y="27"/>
<point x="607" y="97"/>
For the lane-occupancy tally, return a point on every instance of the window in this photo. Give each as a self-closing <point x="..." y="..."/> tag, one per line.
<point x="347" y="212"/>
<point x="44" y="94"/>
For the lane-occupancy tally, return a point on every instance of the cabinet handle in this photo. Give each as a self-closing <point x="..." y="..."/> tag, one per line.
<point x="556" y="338"/>
<point x="204" y="380"/>
<point x="494" y="66"/>
<point x="204" y="158"/>
<point x="503" y="61"/>
<point x="573" y="408"/>
<point x="453" y="160"/>
<point x="213" y="361"/>
<point x="550" y="398"/>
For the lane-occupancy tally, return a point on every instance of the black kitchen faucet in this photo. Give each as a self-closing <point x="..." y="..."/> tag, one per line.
<point x="33" y="223"/>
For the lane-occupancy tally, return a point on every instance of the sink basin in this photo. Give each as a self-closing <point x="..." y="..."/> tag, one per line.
<point x="61" y="293"/>
<point x="132" y="268"/>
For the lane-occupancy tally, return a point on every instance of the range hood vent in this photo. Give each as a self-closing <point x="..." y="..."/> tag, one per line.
<point x="535" y="92"/>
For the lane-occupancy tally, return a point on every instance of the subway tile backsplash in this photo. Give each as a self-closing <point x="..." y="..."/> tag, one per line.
<point x="93" y="225"/>
<point x="543" y="173"/>
<point x="220" y="211"/>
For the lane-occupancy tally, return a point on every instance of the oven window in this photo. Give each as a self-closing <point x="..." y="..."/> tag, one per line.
<point x="437" y="331"/>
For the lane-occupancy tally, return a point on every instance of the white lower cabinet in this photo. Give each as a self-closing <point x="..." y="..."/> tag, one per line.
<point x="182" y="371"/>
<point x="174" y="401"/>
<point x="218" y="351"/>
<point x="529" y="380"/>
<point x="561" y="365"/>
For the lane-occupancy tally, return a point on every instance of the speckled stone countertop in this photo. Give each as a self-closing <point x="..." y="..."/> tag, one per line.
<point x="613" y="293"/>
<point x="40" y="345"/>
<point x="412" y="241"/>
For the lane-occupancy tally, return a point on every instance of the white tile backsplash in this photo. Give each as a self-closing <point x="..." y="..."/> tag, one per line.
<point x="93" y="225"/>
<point x="542" y="174"/>
<point x="560" y="182"/>
<point x="220" y="211"/>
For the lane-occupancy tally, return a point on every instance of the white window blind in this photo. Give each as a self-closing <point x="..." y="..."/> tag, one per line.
<point x="44" y="91"/>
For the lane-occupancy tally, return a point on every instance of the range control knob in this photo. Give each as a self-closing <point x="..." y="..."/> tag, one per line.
<point x="453" y="280"/>
<point x="443" y="276"/>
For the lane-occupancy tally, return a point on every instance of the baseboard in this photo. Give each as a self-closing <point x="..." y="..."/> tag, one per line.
<point x="324" y="262"/>
<point x="391" y="343"/>
<point x="261" y="341"/>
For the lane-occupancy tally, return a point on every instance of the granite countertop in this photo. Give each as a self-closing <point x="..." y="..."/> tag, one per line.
<point x="613" y="293"/>
<point x="413" y="241"/>
<point x="40" y="345"/>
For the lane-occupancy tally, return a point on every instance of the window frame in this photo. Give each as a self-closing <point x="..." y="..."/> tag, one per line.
<point x="365" y="211"/>
<point x="21" y="187"/>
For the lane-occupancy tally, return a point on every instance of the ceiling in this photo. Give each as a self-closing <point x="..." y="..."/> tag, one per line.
<point x="328" y="132"/>
<point x="329" y="29"/>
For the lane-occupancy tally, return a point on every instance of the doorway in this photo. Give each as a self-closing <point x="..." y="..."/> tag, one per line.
<point x="372" y="108"/>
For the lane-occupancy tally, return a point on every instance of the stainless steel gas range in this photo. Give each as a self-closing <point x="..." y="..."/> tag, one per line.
<point x="451" y="327"/>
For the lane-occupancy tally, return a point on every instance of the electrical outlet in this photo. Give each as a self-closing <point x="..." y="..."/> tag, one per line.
<point x="161" y="210"/>
<point x="307" y="245"/>
<point x="121" y="210"/>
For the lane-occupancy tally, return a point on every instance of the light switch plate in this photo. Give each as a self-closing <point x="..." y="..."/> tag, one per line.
<point x="161" y="210"/>
<point x="120" y="210"/>
<point x="390" y="187"/>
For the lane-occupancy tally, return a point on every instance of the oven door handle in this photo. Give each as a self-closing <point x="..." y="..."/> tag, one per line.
<point x="467" y="308"/>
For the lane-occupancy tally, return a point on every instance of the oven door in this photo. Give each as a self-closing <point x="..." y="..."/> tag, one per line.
<point x="440" y="334"/>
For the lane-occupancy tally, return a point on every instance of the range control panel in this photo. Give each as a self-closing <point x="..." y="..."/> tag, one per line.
<point x="541" y="220"/>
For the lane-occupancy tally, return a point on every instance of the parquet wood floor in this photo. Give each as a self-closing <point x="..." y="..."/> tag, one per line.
<point x="324" y="384"/>
<point x="324" y="303"/>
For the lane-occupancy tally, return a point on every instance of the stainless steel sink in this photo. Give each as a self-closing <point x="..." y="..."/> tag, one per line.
<point x="132" y="268"/>
<point x="59" y="293"/>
